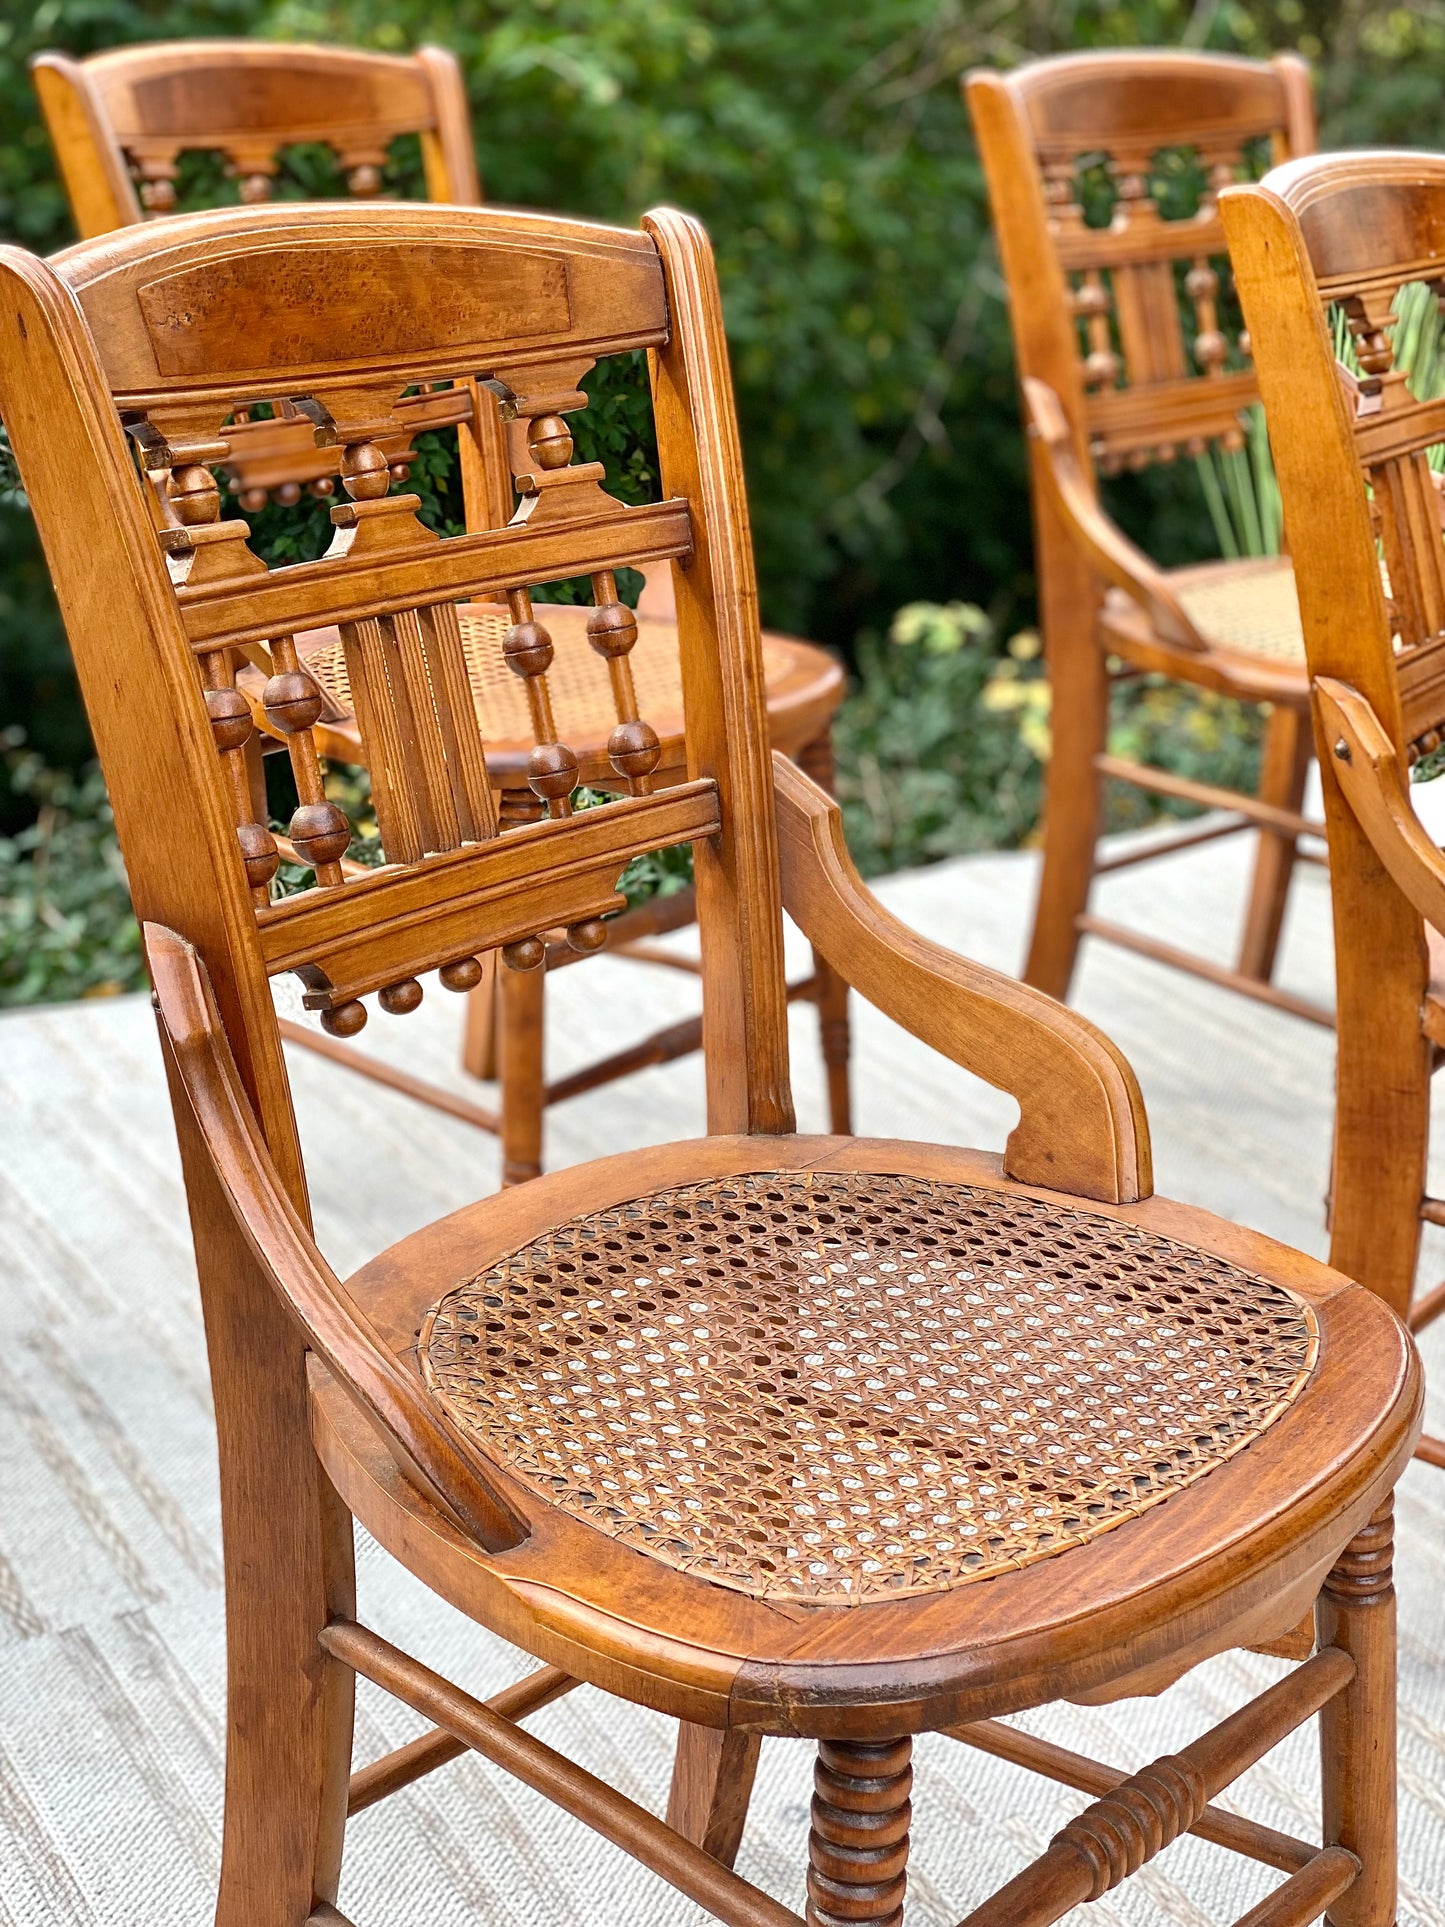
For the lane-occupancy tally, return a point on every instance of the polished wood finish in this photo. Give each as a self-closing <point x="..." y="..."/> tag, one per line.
<point x="409" y="1763"/>
<point x="1115" y="377"/>
<point x="328" y="1401"/>
<point x="1347" y="232"/>
<point x="120" y="121"/>
<point x="1059" y="1763"/>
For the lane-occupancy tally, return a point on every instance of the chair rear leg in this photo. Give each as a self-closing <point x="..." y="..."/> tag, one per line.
<point x="289" y="1572"/>
<point x="520" y="1047"/>
<point x="1356" y="1611"/>
<point x="1285" y="766"/>
<point x="712" y="1782"/>
<point x="1079" y="711"/>
<point x="831" y="997"/>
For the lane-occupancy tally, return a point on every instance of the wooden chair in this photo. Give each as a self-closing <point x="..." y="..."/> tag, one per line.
<point x="1129" y="353"/>
<point x="120" y="123"/>
<point x="815" y="1436"/>
<point x="1348" y="233"/>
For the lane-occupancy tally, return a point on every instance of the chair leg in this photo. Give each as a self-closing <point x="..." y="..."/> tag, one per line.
<point x="1287" y="749"/>
<point x="1356" y="1612"/>
<point x="479" y="1039"/>
<point x="858" y="1847"/>
<point x="816" y="760"/>
<point x="520" y="1048"/>
<point x="712" y="1782"/>
<point x="289" y="1571"/>
<point x="1079" y="709"/>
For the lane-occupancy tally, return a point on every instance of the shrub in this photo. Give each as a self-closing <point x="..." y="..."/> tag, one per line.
<point x="65" y="924"/>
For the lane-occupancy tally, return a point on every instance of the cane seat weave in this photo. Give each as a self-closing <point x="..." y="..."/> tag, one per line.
<point x="1248" y="608"/>
<point x="837" y="1386"/>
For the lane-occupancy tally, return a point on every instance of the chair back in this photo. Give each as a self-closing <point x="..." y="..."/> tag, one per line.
<point x="1356" y="448"/>
<point x="120" y="121"/>
<point x="134" y="352"/>
<point x="1104" y="171"/>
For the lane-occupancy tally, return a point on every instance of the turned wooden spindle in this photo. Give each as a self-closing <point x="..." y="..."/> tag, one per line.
<point x="293" y="702"/>
<point x="1093" y="304"/>
<point x="1201" y="284"/>
<point x="231" y="731"/>
<point x="155" y="179"/>
<point x="858" y="1846"/>
<point x="528" y="648"/>
<point x="633" y="748"/>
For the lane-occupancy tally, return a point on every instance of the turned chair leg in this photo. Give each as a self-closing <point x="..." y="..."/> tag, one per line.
<point x="1356" y="1611"/>
<point x="1285" y="766"/>
<point x="858" y="1847"/>
<point x="1079" y="711"/>
<point x="712" y="1782"/>
<point x="831" y="996"/>
<point x="479" y="1039"/>
<point x="524" y="1093"/>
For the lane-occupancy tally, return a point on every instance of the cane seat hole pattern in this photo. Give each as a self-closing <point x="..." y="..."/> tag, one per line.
<point x="578" y="681"/>
<point x="1255" y="612"/>
<point x="836" y="1387"/>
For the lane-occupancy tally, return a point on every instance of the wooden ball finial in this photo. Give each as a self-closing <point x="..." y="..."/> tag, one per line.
<point x="230" y="715"/>
<point x="527" y="953"/>
<point x="465" y="974"/>
<point x="194" y="495"/>
<point x="320" y="831"/>
<point x="365" y="472"/>
<point x="345" y="1020"/>
<point x="550" y="440"/>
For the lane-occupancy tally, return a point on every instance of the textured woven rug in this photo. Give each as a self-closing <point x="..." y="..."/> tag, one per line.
<point x="110" y="1603"/>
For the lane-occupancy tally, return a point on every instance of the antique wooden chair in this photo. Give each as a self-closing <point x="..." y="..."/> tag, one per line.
<point x="120" y="123"/>
<point x="1129" y="353"/>
<point x="816" y="1436"/>
<point x="1341" y="238"/>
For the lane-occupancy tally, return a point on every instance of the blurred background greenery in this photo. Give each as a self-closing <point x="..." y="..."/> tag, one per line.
<point x="829" y="154"/>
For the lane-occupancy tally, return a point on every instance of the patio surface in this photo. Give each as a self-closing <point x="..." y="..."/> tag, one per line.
<point x="111" y="1651"/>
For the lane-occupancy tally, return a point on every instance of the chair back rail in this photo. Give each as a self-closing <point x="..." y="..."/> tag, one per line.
<point x="165" y="333"/>
<point x="1131" y="322"/>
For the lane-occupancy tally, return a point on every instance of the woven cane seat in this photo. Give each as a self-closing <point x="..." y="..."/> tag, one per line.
<point x="834" y="1387"/>
<point x="803" y="684"/>
<point x="1253" y="610"/>
<point x="1244" y="609"/>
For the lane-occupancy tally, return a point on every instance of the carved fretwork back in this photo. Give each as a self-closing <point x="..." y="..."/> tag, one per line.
<point x="1126" y="309"/>
<point x="121" y="121"/>
<point x="338" y="311"/>
<point x="1374" y="229"/>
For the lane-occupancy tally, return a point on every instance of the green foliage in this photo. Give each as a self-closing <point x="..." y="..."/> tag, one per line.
<point x="65" y="923"/>
<point x="943" y="744"/>
<point x="928" y="766"/>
